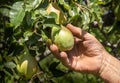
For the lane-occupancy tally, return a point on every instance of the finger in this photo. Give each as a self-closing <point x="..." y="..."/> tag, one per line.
<point x="78" y="32"/>
<point x="62" y="56"/>
<point x="64" y="59"/>
<point x="54" y="50"/>
<point x="76" y="40"/>
<point x="75" y="30"/>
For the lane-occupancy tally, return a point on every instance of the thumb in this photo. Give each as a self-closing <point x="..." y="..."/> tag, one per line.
<point x="76" y="31"/>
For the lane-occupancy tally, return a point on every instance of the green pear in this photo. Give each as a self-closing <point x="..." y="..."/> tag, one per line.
<point x="63" y="38"/>
<point x="27" y="66"/>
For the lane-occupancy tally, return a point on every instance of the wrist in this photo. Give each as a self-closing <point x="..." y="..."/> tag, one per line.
<point x="109" y="70"/>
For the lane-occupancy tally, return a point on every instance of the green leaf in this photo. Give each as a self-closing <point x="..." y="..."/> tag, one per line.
<point x="66" y="6"/>
<point x="51" y="18"/>
<point x="56" y="72"/>
<point x="10" y="65"/>
<point x="86" y="17"/>
<point x="29" y="19"/>
<point x="27" y="34"/>
<point x="100" y="2"/>
<point x="74" y="13"/>
<point x="32" y="4"/>
<point x="17" y="14"/>
<point x="4" y="11"/>
<point x="50" y="25"/>
<point x="44" y="36"/>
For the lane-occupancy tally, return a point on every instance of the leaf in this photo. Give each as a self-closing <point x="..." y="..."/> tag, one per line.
<point x="27" y="34"/>
<point x="4" y="11"/>
<point x="56" y="72"/>
<point x="66" y="6"/>
<point x="74" y="13"/>
<point x="98" y="34"/>
<point x="42" y="11"/>
<point x="54" y="31"/>
<point x="86" y="17"/>
<point x="32" y="4"/>
<point x="17" y="14"/>
<point x="29" y="20"/>
<point x="51" y="18"/>
<point x="10" y="65"/>
<point x="100" y="2"/>
<point x="44" y="36"/>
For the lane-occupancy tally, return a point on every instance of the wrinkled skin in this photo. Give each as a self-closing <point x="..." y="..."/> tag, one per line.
<point x="87" y="54"/>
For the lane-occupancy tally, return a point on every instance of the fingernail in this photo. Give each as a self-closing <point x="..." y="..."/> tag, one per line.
<point x="68" y="24"/>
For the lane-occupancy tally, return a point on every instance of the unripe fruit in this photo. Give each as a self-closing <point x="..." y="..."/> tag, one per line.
<point x="27" y="66"/>
<point x="61" y="18"/>
<point x="63" y="38"/>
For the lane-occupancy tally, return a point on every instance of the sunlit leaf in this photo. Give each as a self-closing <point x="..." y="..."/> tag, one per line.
<point x="10" y="65"/>
<point x="66" y="6"/>
<point x="17" y="14"/>
<point x="27" y="34"/>
<point x="32" y="4"/>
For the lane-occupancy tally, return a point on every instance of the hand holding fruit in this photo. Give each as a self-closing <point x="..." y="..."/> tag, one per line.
<point x="83" y="52"/>
<point x="86" y="55"/>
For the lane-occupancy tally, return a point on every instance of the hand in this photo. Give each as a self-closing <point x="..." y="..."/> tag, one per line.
<point x="87" y="54"/>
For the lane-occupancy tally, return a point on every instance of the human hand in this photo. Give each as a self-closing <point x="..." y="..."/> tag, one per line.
<point x="86" y="55"/>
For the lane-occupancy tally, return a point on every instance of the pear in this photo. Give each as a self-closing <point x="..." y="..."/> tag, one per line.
<point x="27" y="66"/>
<point x="63" y="38"/>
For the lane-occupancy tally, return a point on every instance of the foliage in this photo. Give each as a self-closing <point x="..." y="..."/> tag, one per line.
<point x="26" y="23"/>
